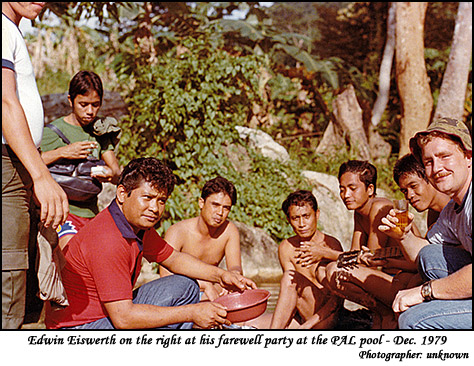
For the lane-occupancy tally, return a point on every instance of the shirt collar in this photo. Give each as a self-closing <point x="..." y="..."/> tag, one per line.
<point x="123" y="225"/>
<point x="458" y="208"/>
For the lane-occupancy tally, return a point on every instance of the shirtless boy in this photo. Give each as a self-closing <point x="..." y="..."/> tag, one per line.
<point x="364" y="283"/>
<point x="210" y="236"/>
<point x="410" y="176"/>
<point x="304" y="302"/>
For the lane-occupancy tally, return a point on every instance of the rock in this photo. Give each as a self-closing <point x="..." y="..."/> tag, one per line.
<point x="335" y="219"/>
<point x="263" y="143"/>
<point x="259" y="254"/>
<point x="57" y="105"/>
<point x="106" y="195"/>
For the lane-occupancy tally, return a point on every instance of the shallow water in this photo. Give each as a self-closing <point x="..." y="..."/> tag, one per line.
<point x="274" y="289"/>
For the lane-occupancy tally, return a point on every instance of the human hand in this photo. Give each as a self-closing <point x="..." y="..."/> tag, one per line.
<point x="78" y="150"/>
<point x="212" y="290"/>
<point x="236" y="282"/>
<point x="407" y="298"/>
<point x="53" y="202"/>
<point x="105" y="174"/>
<point x="366" y="257"/>
<point x="390" y="228"/>
<point x="209" y="315"/>
<point x="309" y="253"/>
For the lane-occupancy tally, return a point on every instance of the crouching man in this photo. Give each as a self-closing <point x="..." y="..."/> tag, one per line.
<point x="104" y="261"/>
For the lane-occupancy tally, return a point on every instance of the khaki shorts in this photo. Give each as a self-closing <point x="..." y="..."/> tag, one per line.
<point x="16" y="195"/>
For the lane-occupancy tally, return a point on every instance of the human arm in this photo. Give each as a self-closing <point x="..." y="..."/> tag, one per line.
<point x="313" y="252"/>
<point x="186" y="264"/>
<point x="125" y="314"/>
<point x="232" y="250"/>
<point x="173" y="237"/>
<point x="76" y="150"/>
<point x="359" y="237"/>
<point x="51" y="198"/>
<point x="285" y="254"/>
<point x="457" y="285"/>
<point x="408" y="241"/>
<point x="113" y="168"/>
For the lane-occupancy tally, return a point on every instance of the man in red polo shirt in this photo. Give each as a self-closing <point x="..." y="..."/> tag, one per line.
<point x="104" y="260"/>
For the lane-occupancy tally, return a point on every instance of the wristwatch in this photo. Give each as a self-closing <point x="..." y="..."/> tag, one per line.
<point x="426" y="291"/>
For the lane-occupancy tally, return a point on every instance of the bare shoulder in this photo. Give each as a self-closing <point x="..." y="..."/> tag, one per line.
<point x="288" y="245"/>
<point x="177" y="233"/>
<point x="332" y="242"/>
<point x="380" y="206"/>
<point x="183" y="225"/>
<point x="231" y="228"/>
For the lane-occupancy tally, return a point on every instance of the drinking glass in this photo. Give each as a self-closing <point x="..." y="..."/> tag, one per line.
<point x="401" y="213"/>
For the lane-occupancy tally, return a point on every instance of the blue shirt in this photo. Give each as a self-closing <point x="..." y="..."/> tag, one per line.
<point x="454" y="225"/>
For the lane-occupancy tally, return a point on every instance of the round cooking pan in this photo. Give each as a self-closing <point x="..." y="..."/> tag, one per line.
<point x="246" y="305"/>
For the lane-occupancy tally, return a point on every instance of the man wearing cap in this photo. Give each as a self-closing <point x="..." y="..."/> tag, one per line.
<point x="444" y="300"/>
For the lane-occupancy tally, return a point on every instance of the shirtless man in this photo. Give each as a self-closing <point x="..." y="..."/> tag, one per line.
<point x="304" y="302"/>
<point x="410" y="176"/>
<point x="365" y="283"/>
<point x="210" y="236"/>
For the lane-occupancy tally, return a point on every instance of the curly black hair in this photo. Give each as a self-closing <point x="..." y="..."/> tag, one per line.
<point x="149" y="170"/>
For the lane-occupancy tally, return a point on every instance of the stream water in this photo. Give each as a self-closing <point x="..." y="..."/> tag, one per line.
<point x="274" y="289"/>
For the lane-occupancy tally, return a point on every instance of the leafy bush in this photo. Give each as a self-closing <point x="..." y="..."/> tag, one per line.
<point x="183" y="110"/>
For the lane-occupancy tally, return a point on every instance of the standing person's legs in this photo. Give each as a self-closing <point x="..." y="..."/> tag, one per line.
<point x="16" y="194"/>
<point x="175" y="290"/>
<point x="438" y="261"/>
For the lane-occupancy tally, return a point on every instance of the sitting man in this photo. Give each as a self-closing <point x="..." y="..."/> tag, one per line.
<point x="365" y="283"/>
<point x="304" y="302"/>
<point x="104" y="260"/>
<point x="444" y="257"/>
<point x="209" y="236"/>
<point x="410" y="176"/>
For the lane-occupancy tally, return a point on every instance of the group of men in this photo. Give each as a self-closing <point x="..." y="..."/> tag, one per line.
<point x="426" y="283"/>
<point x="428" y="286"/>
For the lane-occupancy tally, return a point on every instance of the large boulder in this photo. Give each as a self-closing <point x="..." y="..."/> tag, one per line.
<point x="259" y="254"/>
<point x="263" y="143"/>
<point x="334" y="218"/>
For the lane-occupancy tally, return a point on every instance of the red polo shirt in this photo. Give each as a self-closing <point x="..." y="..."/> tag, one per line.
<point x="103" y="263"/>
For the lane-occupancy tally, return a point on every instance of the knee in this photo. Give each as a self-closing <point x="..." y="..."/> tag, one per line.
<point x="406" y="320"/>
<point x="288" y="279"/>
<point x="431" y="263"/>
<point x="331" y="269"/>
<point x="182" y="289"/>
<point x="188" y="285"/>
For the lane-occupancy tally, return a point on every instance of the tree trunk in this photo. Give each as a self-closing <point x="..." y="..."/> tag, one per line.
<point x="385" y="69"/>
<point x="412" y="80"/>
<point x="349" y="116"/>
<point x="452" y="94"/>
<point x="332" y="140"/>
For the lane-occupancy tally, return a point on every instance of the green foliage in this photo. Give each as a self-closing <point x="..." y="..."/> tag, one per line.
<point x="184" y="110"/>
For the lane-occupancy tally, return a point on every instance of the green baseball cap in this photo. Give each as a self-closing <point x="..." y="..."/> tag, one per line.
<point x="449" y="126"/>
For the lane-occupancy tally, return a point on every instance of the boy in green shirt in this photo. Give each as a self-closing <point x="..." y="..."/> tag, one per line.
<point x="85" y="97"/>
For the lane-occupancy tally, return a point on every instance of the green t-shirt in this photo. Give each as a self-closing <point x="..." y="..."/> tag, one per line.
<point x="52" y="141"/>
